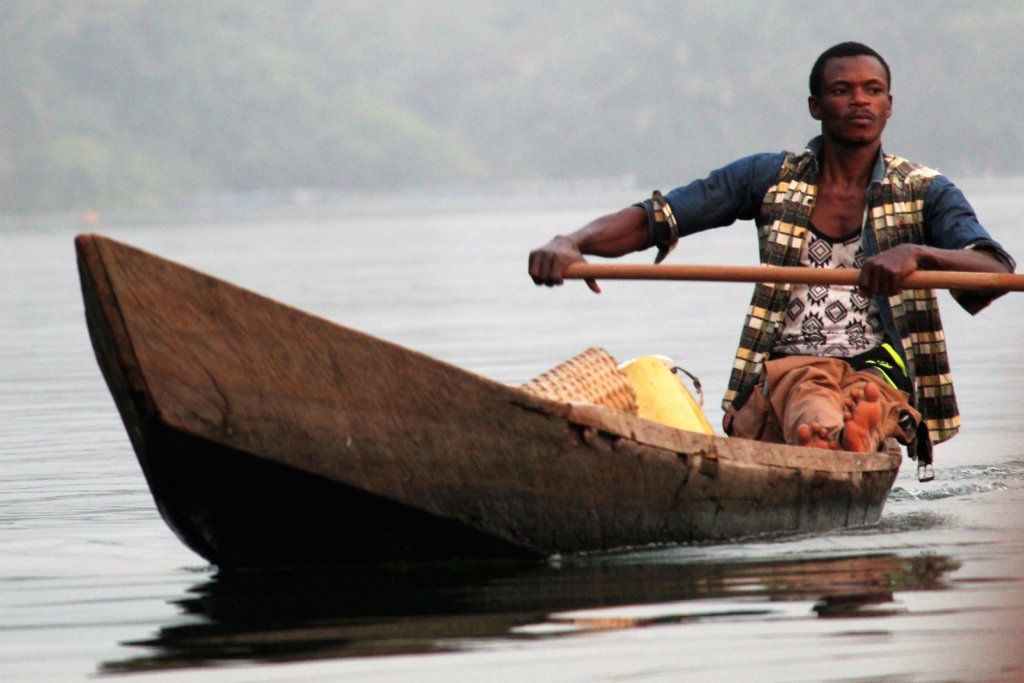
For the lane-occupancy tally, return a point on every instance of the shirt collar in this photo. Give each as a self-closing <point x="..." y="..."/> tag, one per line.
<point x="877" y="174"/>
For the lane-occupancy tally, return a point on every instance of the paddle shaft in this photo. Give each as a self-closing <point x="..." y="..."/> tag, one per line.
<point x="922" y="279"/>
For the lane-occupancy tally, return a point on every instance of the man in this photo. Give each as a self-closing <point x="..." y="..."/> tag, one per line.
<point x="833" y="367"/>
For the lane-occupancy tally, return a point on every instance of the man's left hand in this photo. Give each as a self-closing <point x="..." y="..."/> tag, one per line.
<point x="884" y="273"/>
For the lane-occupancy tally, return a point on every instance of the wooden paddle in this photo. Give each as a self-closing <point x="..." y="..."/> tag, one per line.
<point x="922" y="279"/>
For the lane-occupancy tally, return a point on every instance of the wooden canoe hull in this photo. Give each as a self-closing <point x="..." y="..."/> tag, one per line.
<point x="269" y="436"/>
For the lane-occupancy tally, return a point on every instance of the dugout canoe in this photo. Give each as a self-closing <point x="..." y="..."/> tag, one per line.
<point x="272" y="437"/>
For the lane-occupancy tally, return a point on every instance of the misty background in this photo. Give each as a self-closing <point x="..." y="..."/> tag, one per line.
<point x="144" y="103"/>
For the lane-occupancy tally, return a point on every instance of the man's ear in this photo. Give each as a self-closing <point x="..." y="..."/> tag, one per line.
<point x="814" y="107"/>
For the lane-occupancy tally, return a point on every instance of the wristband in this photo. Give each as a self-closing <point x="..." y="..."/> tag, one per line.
<point x="666" y="230"/>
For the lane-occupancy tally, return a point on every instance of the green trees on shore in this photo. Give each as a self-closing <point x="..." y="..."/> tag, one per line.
<point x="141" y="103"/>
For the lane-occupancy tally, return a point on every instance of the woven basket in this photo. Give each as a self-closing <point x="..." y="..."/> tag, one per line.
<point x="591" y="377"/>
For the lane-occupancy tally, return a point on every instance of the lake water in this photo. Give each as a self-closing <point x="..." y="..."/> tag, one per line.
<point x="93" y="584"/>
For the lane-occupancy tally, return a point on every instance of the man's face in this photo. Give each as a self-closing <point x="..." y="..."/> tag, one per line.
<point x="855" y="103"/>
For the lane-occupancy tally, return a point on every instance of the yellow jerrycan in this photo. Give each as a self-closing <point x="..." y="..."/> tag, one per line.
<point x="661" y="395"/>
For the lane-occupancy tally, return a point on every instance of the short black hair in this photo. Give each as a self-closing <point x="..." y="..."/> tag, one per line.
<point x="847" y="49"/>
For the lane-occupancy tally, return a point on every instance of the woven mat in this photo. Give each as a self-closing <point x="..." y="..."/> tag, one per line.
<point x="591" y="377"/>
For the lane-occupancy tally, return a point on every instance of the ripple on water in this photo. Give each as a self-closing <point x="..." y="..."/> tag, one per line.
<point x="963" y="481"/>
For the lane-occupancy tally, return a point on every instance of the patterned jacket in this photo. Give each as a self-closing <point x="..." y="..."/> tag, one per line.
<point x="906" y="202"/>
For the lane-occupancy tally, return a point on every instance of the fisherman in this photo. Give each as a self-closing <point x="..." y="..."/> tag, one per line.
<point x="840" y="367"/>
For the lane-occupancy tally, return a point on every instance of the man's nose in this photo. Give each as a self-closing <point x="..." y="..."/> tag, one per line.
<point x="859" y="96"/>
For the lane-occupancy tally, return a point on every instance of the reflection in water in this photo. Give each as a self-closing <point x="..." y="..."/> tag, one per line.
<point x="387" y="610"/>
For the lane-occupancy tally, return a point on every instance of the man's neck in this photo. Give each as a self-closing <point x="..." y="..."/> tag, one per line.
<point x="848" y="166"/>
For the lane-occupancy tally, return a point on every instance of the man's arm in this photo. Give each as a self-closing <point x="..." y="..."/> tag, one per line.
<point x="884" y="273"/>
<point x="615" y="234"/>
<point x="955" y="241"/>
<point x="727" y="194"/>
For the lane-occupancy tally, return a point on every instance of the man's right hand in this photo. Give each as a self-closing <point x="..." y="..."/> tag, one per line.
<point x="609" y="236"/>
<point x="548" y="263"/>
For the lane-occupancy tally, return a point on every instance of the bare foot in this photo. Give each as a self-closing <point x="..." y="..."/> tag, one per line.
<point x="862" y="416"/>
<point x="815" y="436"/>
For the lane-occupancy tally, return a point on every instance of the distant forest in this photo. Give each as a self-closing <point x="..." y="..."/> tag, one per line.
<point x="111" y="103"/>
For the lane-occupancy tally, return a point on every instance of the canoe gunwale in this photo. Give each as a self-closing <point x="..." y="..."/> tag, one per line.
<point x="757" y="453"/>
